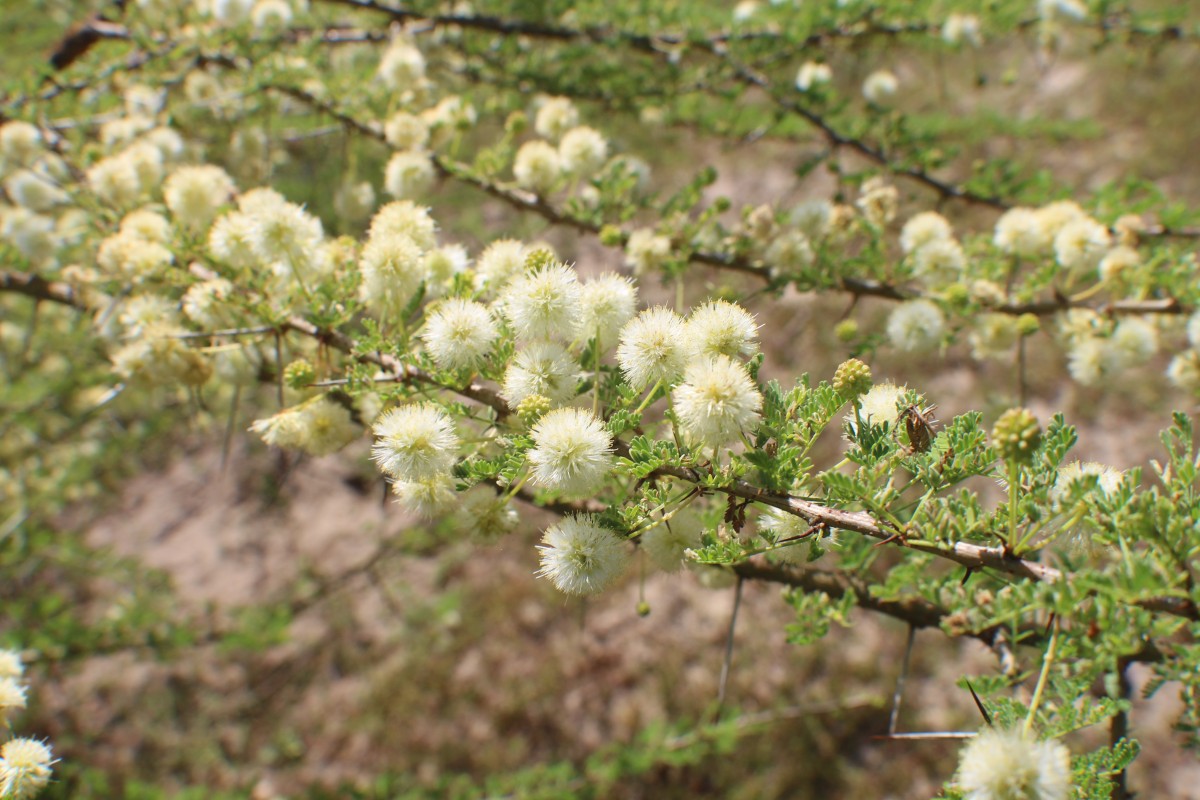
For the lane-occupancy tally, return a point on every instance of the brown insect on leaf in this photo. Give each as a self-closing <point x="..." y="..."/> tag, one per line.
<point x="735" y="514"/>
<point x="919" y="423"/>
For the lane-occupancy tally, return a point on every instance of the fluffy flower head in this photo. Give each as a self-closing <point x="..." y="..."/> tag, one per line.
<point x="542" y="368"/>
<point x="1008" y="765"/>
<point x="414" y="442"/>
<point x="646" y="251"/>
<point x="720" y="328"/>
<point x="582" y="151"/>
<point x="580" y="557"/>
<point x="920" y="230"/>
<point x="606" y="304"/>
<point x="556" y="116"/>
<point x="544" y="304"/>
<point x="538" y="166"/>
<point x="194" y="194"/>
<point x="572" y="452"/>
<point x="653" y="347"/>
<point x="716" y="402"/>
<point x="24" y="768"/>
<point x="916" y="325"/>
<point x="813" y="73"/>
<point x="459" y="333"/>
<point x="409" y="175"/>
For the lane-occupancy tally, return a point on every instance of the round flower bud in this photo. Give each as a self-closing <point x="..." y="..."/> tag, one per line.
<point x="533" y="408"/>
<point x="581" y="557"/>
<point x="1016" y="435"/>
<point x="572" y="452"/>
<point x="1028" y="324"/>
<point x="852" y="379"/>
<point x="846" y="330"/>
<point x="299" y="374"/>
<point x="1007" y="764"/>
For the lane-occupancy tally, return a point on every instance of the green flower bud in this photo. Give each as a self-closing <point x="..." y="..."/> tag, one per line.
<point x="1017" y="435"/>
<point x="610" y="236"/>
<point x="643" y="609"/>
<point x="846" y="330"/>
<point x="299" y="374"/>
<point x="852" y="379"/>
<point x="538" y="259"/>
<point x="516" y="123"/>
<point x="533" y="408"/>
<point x="1028" y="324"/>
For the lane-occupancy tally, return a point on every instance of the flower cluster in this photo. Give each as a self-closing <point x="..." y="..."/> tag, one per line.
<point x="25" y="764"/>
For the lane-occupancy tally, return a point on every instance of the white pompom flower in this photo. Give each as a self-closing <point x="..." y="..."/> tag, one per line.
<point x="555" y="117"/>
<point x="429" y="498"/>
<point x="543" y="368"/>
<point x="879" y="406"/>
<point x="414" y="442"/>
<point x="392" y="266"/>
<point x="721" y="328"/>
<point x="500" y="262"/>
<point x="1010" y="765"/>
<point x="813" y="73"/>
<point x="538" y="167"/>
<point x="11" y="665"/>
<point x="195" y="194"/>
<point x="922" y="229"/>
<point x="916" y="325"/>
<point x="1018" y="232"/>
<point x="409" y="175"/>
<point x="487" y="515"/>
<point x="939" y="262"/>
<point x="880" y="87"/>
<point x="653" y="348"/>
<point x="544" y="304"/>
<point x="407" y="218"/>
<point x="402" y="66"/>
<point x="581" y="557"/>
<point x="572" y="452"/>
<point x="12" y="700"/>
<point x="459" y="333"/>
<point x="1081" y="243"/>
<point x="606" y="304"/>
<point x="667" y="542"/>
<point x="717" y="402"/>
<point x="646" y="251"/>
<point x="582" y="151"/>
<point x="405" y="131"/>
<point x="25" y="768"/>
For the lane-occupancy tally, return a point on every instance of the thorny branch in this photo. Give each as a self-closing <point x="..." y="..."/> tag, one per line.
<point x="972" y="556"/>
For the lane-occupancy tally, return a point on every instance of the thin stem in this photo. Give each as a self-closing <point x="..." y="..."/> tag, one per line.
<point x="724" y="684"/>
<point x="649" y="397"/>
<point x="908" y="648"/>
<point x="1014" y="474"/>
<point x="1042" y="678"/>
